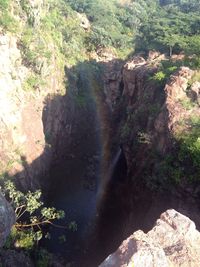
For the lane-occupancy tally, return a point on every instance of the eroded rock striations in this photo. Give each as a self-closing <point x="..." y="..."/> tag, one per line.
<point x="173" y="241"/>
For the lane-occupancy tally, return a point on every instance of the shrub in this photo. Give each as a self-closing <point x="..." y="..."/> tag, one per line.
<point x="4" y="4"/>
<point x="7" y="22"/>
<point x="189" y="152"/>
<point x="159" y="76"/>
<point x="31" y="216"/>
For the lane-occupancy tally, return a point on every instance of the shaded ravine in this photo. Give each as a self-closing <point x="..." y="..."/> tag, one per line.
<point x="75" y="174"/>
<point x="89" y="177"/>
<point x="84" y="167"/>
<point x="91" y="182"/>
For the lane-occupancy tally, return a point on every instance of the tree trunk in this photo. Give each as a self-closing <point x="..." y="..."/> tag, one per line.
<point x="170" y="51"/>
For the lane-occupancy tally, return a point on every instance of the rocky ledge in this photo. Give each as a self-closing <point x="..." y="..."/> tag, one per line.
<point x="173" y="242"/>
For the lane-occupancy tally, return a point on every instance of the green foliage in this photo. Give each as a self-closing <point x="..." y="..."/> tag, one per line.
<point x="163" y="74"/>
<point x="7" y="22"/>
<point x="4" y="4"/>
<point x="43" y="258"/>
<point x="195" y="77"/>
<point x="184" y="162"/>
<point x="99" y="38"/>
<point x="159" y="76"/>
<point x="189" y="153"/>
<point x="62" y="26"/>
<point x="192" y="44"/>
<point x="73" y="226"/>
<point x="31" y="216"/>
<point x="187" y="103"/>
<point x="22" y="239"/>
<point x="34" y="81"/>
<point x="26" y="7"/>
<point x="171" y="27"/>
<point x="112" y="24"/>
<point x="34" y="50"/>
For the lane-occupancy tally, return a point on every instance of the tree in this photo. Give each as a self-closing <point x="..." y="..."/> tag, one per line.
<point x="31" y="216"/>
<point x="168" y="28"/>
<point x="192" y="45"/>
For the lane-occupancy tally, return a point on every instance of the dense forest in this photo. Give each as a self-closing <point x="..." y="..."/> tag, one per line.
<point x="143" y="25"/>
<point x="124" y="26"/>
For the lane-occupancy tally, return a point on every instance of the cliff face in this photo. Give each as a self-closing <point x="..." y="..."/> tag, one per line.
<point x="22" y="121"/>
<point x="7" y="219"/>
<point x="19" y="110"/>
<point x="173" y="241"/>
<point x="150" y="114"/>
<point x="150" y="117"/>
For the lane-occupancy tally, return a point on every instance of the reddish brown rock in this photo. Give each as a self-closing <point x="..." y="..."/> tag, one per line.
<point x="178" y="83"/>
<point x="153" y="54"/>
<point x="194" y="92"/>
<point x="173" y="241"/>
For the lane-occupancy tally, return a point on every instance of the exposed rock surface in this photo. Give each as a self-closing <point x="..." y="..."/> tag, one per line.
<point x="152" y="112"/>
<point x="24" y="129"/>
<point x="195" y="92"/>
<point x="84" y="22"/>
<point x="173" y="241"/>
<point x="147" y="115"/>
<point x="17" y="135"/>
<point x="7" y="219"/>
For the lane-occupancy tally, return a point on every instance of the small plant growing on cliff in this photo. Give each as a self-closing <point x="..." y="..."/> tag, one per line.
<point x="159" y="76"/>
<point x="31" y="216"/>
<point x="7" y="22"/>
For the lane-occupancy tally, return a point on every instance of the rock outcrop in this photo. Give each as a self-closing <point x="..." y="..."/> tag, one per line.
<point x="7" y="219"/>
<point x="84" y="22"/>
<point x="149" y="113"/>
<point x="195" y="92"/>
<point x="19" y="110"/>
<point x="28" y="116"/>
<point x="173" y="241"/>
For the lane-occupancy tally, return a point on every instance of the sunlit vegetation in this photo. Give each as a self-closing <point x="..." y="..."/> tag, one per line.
<point x="171" y="26"/>
<point x="31" y="217"/>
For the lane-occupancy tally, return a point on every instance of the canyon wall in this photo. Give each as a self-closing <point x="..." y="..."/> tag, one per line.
<point x="26" y="127"/>
<point x="150" y="116"/>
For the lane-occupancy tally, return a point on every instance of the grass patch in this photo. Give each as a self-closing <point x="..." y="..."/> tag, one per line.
<point x="187" y="103"/>
<point x="195" y="78"/>
<point x="33" y="82"/>
<point x="163" y="74"/>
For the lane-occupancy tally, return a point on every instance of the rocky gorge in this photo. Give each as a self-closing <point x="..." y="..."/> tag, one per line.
<point x="109" y="142"/>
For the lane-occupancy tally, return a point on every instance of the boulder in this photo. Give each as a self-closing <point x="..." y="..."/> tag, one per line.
<point x="173" y="241"/>
<point x="7" y="219"/>
<point x="194" y="92"/>
<point x="153" y="55"/>
<point x="84" y="22"/>
<point x="136" y="61"/>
